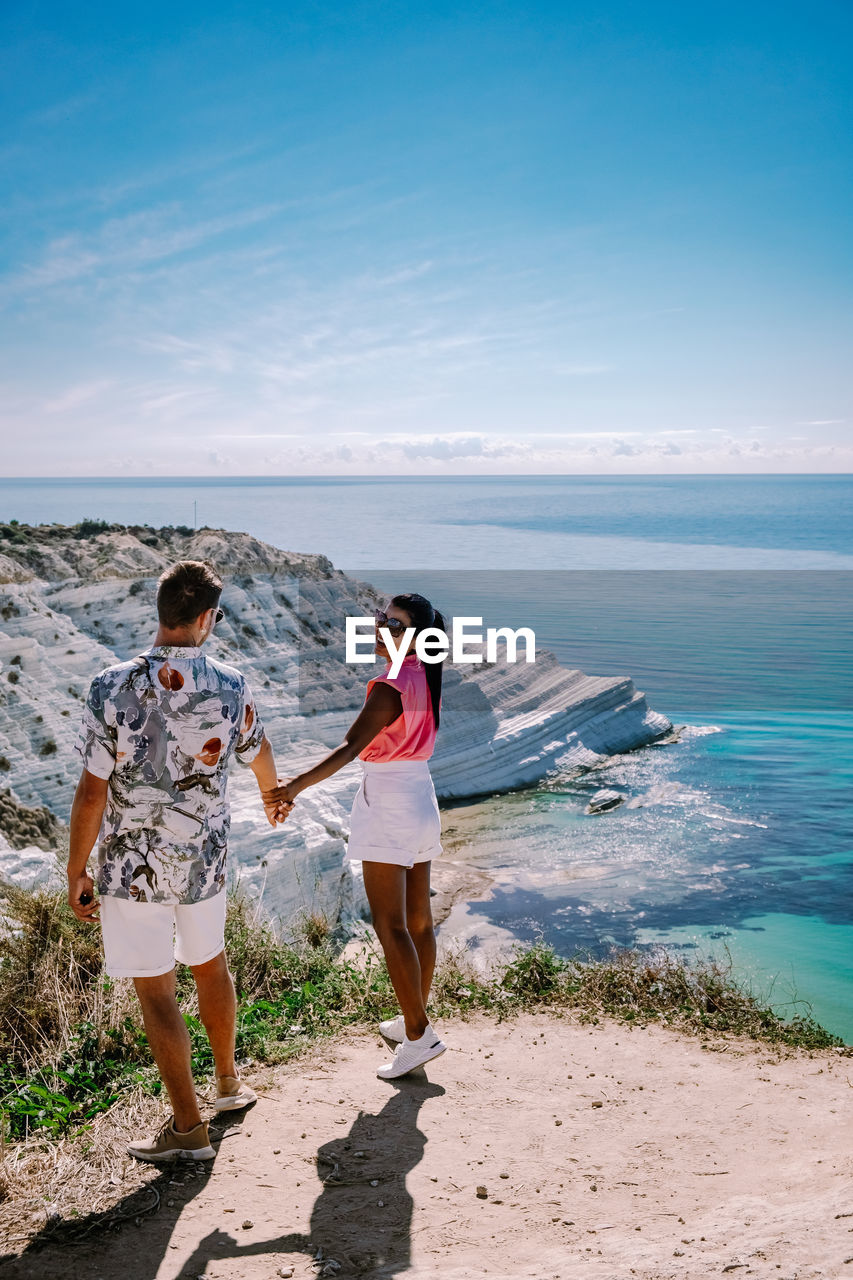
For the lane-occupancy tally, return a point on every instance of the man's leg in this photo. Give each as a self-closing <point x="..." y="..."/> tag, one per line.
<point x="217" y="1008"/>
<point x="170" y="1046"/>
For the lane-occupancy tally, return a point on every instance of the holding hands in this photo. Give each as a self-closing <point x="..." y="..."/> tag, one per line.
<point x="278" y="802"/>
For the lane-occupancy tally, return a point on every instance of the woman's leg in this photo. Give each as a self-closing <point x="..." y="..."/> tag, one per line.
<point x="385" y="885"/>
<point x="419" y="922"/>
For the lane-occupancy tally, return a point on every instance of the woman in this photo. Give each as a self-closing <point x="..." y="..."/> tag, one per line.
<point x="395" y="827"/>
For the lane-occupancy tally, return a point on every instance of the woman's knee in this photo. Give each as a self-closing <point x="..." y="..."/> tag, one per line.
<point x="390" y="928"/>
<point x="420" y="925"/>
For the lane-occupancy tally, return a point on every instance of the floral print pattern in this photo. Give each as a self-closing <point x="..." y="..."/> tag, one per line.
<point x="163" y="729"/>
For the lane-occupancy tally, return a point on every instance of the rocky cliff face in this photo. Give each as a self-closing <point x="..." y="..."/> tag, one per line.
<point x="73" y="601"/>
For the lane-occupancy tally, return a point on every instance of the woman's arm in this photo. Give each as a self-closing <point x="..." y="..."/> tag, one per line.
<point x="382" y="708"/>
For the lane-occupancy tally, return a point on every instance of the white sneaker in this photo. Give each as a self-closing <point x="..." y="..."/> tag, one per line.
<point x="394" y="1028"/>
<point x="411" y="1054"/>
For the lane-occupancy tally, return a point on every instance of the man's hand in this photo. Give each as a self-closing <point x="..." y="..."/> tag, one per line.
<point x="263" y="767"/>
<point x="83" y="887"/>
<point x="90" y="799"/>
<point x="276" y="810"/>
<point x="278" y="803"/>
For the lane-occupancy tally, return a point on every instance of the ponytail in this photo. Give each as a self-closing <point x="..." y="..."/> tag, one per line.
<point x="424" y="617"/>
<point x="433" y="675"/>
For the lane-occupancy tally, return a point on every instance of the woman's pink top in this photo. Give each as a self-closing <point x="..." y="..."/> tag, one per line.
<point x="412" y="735"/>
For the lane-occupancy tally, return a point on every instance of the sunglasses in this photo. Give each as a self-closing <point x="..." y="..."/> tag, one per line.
<point x="394" y="625"/>
<point x="220" y="614"/>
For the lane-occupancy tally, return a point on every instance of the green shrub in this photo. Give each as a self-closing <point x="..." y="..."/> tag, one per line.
<point x="91" y="528"/>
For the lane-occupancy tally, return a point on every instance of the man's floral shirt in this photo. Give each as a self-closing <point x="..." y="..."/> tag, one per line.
<point x="163" y="728"/>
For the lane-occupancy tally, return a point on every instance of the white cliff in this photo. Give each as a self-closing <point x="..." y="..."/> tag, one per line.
<point x="71" y="605"/>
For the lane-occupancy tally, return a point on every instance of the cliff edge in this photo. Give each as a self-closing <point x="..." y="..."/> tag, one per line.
<point x="75" y="599"/>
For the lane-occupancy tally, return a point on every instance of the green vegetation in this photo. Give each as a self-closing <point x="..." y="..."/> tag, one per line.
<point x="91" y="528"/>
<point x="16" y="534"/>
<point x="71" y="1042"/>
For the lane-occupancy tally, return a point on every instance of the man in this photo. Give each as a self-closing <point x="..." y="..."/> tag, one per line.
<point x="158" y="733"/>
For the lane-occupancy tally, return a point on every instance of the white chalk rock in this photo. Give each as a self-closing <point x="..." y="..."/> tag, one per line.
<point x="70" y="606"/>
<point x="604" y="800"/>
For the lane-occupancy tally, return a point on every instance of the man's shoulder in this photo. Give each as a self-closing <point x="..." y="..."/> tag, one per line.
<point x="228" y="674"/>
<point x="119" y="671"/>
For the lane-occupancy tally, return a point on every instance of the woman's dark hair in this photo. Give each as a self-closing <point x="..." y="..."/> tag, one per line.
<point x="185" y="591"/>
<point x="424" y="616"/>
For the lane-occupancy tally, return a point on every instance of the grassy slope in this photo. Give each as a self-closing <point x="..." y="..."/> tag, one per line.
<point x="71" y="1041"/>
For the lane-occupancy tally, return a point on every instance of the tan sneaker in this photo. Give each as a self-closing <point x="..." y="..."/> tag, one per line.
<point x="232" y="1094"/>
<point x="168" y="1145"/>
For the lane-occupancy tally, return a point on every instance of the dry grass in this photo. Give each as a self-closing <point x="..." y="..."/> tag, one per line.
<point x="47" y="1182"/>
<point x="64" y="1026"/>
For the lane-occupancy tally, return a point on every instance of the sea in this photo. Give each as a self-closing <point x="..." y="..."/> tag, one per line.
<point x="727" y="599"/>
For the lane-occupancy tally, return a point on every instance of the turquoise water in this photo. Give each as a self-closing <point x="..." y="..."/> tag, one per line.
<point x="735" y="841"/>
<point x="728" y="601"/>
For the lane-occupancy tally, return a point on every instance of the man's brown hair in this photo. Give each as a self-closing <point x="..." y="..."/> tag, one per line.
<point x="185" y="591"/>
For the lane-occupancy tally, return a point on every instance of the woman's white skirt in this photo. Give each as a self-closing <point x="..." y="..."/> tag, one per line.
<point x="395" y="814"/>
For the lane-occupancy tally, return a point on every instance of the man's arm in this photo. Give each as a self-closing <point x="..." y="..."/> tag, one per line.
<point x="87" y="813"/>
<point x="263" y="767"/>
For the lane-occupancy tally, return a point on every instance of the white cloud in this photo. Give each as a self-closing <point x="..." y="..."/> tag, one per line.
<point x="581" y="370"/>
<point x="469" y="447"/>
<point x="82" y="393"/>
<point x="401" y="276"/>
<point x="131" y="241"/>
<point x="445" y="448"/>
<point x="443" y="453"/>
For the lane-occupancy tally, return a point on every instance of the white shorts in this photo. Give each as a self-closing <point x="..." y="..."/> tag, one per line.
<point x="144" y="939"/>
<point x="395" y="814"/>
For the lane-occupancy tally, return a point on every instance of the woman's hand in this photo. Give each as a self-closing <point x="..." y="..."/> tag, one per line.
<point x="278" y="801"/>
<point x="284" y="793"/>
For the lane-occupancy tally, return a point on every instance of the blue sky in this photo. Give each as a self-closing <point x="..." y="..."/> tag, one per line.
<point x="251" y="239"/>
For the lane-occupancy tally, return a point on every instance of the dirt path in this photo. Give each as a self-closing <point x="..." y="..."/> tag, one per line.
<point x="603" y="1152"/>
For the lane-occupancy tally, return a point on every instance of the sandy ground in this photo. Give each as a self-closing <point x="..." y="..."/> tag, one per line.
<point x="597" y="1151"/>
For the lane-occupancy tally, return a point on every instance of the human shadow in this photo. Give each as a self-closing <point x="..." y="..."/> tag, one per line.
<point x="49" y="1253"/>
<point x="361" y="1223"/>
